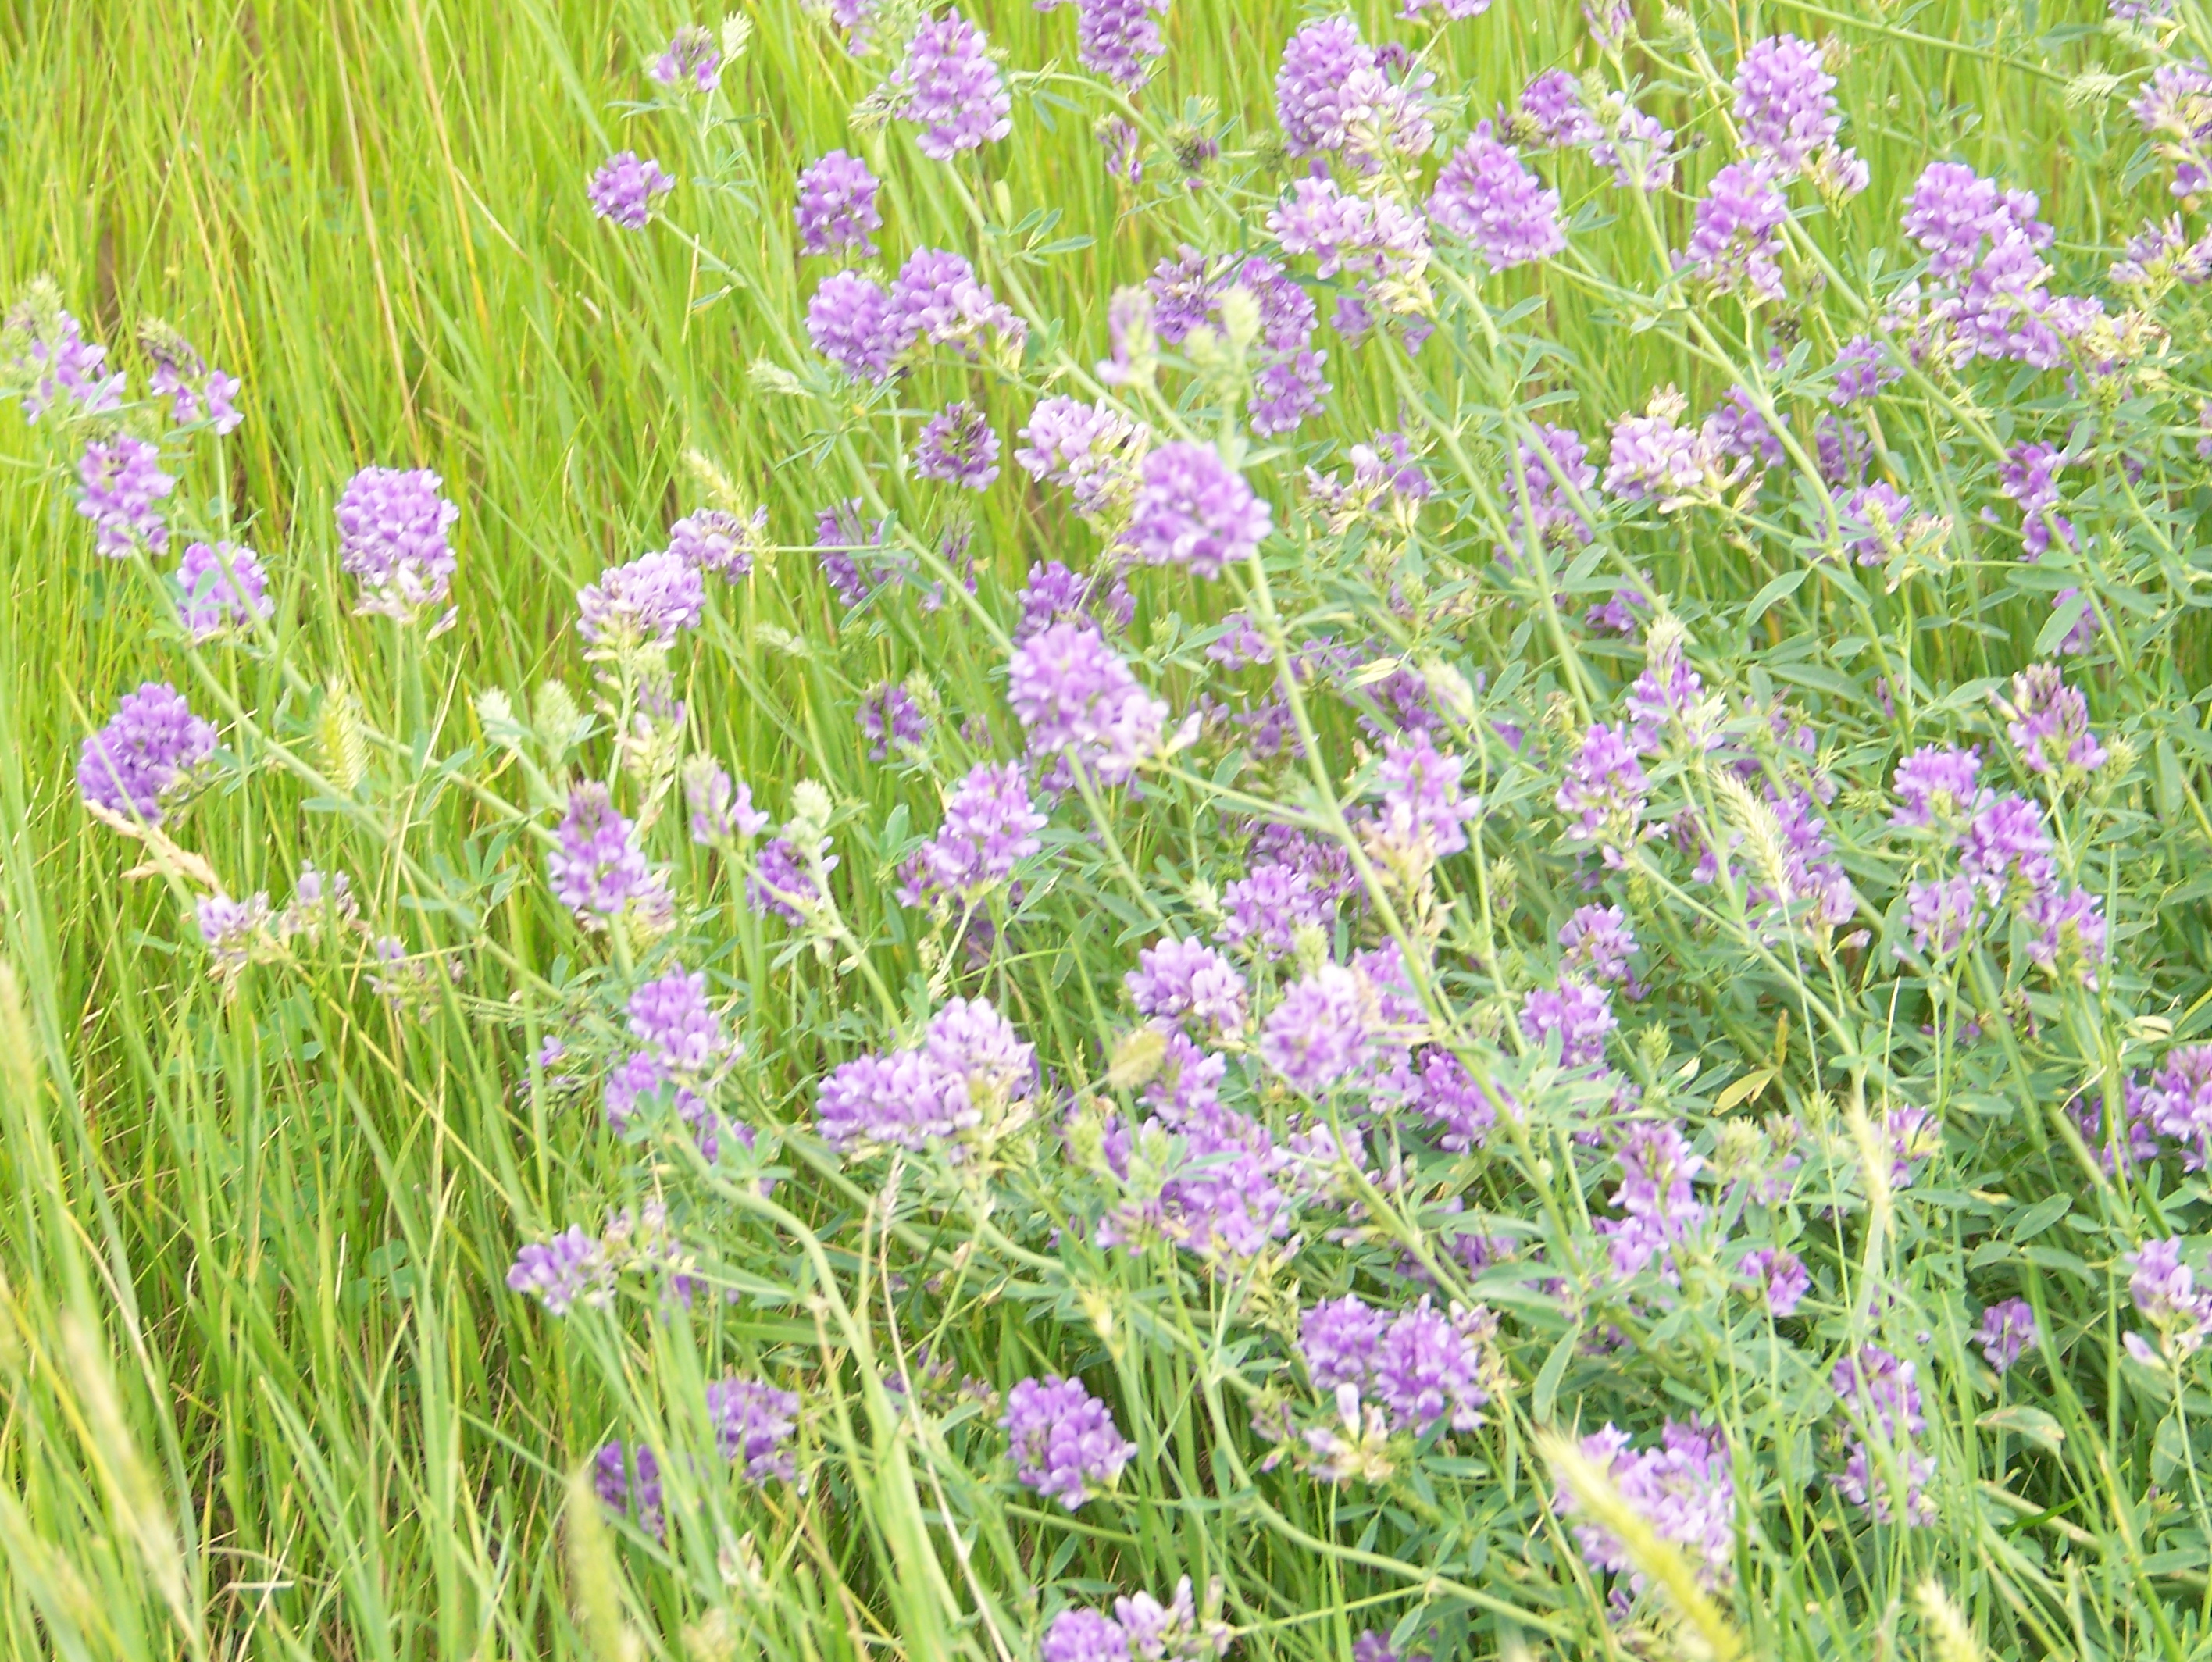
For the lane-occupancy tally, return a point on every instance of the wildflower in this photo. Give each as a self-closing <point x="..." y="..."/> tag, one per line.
<point x="1124" y="149"/>
<point x="1736" y="428"/>
<point x="2068" y="938"/>
<point x="1785" y="105"/>
<point x="1685" y="1489"/>
<point x="1884" y="1389"/>
<point x="2008" y="1329"/>
<point x="1951" y="212"/>
<point x="1553" y="103"/>
<point x="1377" y="237"/>
<point x="1874" y="519"/>
<point x="780" y="886"/>
<point x="1634" y="145"/>
<point x="891" y="720"/>
<point x="1422" y="811"/>
<point x="1604" y="793"/>
<point x="1779" y="1277"/>
<point x="196" y="392"/>
<point x="905" y="1099"/>
<point x="230" y="929"/>
<point x="2175" y="109"/>
<point x="690" y="57"/>
<point x="849" y="322"/>
<point x="393" y="526"/>
<point x="670" y="1017"/>
<point x="1192" y="509"/>
<point x="2164" y="1290"/>
<point x="949" y="87"/>
<point x="1120" y="39"/>
<point x="1091" y="448"/>
<point x="2048" y="723"/>
<point x="1669" y="696"/>
<point x="1317" y="1033"/>
<point x="597" y="868"/>
<point x="1943" y="915"/>
<point x="990" y="826"/>
<point x="1053" y="594"/>
<point x="1935" y="784"/>
<point x="624" y="187"/>
<point x="720" y="809"/>
<point x="1141" y="1629"/>
<point x="1733" y="244"/>
<point x="1861" y="371"/>
<point x="1176" y="979"/>
<point x="52" y="362"/>
<point x="1331" y="94"/>
<point x="1595" y="943"/>
<point x="223" y="589"/>
<point x="836" y="207"/>
<point x="1428" y="1367"/>
<point x="1287" y="382"/>
<point x="1063" y="1439"/>
<point x="1085" y="1635"/>
<point x="570" y="1270"/>
<point x="937" y="299"/>
<point x="1656" y="459"/>
<point x="121" y="480"/>
<point x="1660" y="1209"/>
<point x="753" y="1422"/>
<point x="1446" y="1093"/>
<point x="148" y="752"/>
<point x="1487" y="197"/>
<point x="957" y="447"/>
<point x="714" y="540"/>
<point x="631" y="1484"/>
<point x="2005" y="842"/>
<point x="1268" y="905"/>
<point x="1073" y="694"/>
<point x="642" y="603"/>
<point x="1556" y="478"/>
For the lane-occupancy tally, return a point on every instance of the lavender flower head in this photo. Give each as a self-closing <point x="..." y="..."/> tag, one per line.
<point x="1943" y="915"/>
<point x="631" y="1484"/>
<point x="624" y="188"/>
<point x="990" y="827"/>
<point x="1861" y="371"/>
<point x="1422" y="813"/>
<point x="149" y="751"/>
<point x="691" y="60"/>
<point x="121" y="480"/>
<point x="1785" y="103"/>
<point x="1655" y="458"/>
<point x="392" y="536"/>
<point x="1779" y="1277"/>
<point x="1604" y="793"/>
<point x="51" y="363"/>
<point x="1935" y="786"/>
<point x="1375" y="237"/>
<point x="949" y="87"/>
<point x="1553" y="103"/>
<point x="1331" y="94"/>
<point x="2164" y="1290"/>
<point x="848" y="320"/>
<point x="570" y="1270"/>
<point x="596" y="867"/>
<point x="196" y="392"/>
<point x="1073" y="694"/>
<point x="1176" y="980"/>
<point x="958" y="446"/>
<point x="1063" y="1439"/>
<point x="2048" y="723"/>
<point x="2068" y="939"/>
<point x="1685" y="1489"/>
<point x="1092" y="449"/>
<point x="937" y="298"/>
<point x="223" y="589"/>
<point x="1558" y="479"/>
<point x="2005" y="845"/>
<point x="836" y="206"/>
<point x="721" y="808"/>
<point x="891" y="720"/>
<point x="670" y="1018"/>
<point x="753" y="1423"/>
<point x="642" y="603"/>
<point x="1882" y="1391"/>
<point x="1423" y="1365"/>
<point x="904" y="1098"/>
<point x="2007" y="1330"/>
<point x="1318" y="1033"/>
<point x="715" y="540"/>
<point x="1596" y="942"/>
<point x="1488" y="198"/>
<point x="1733" y="244"/>
<point x="1635" y="145"/>
<point x="1192" y="509"/>
<point x="1120" y="39"/>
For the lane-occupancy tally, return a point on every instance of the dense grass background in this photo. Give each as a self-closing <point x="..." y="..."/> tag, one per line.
<point x="266" y="1393"/>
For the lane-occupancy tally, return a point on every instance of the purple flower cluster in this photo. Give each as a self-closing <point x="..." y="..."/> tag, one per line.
<point x="1595" y="943"/>
<point x="1422" y="1364"/>
<point x="958" y="446"/>
<point x="1603" y="794"/>
<point x="150" y="749"/>
<point x="393" y="526"/>
<point x="780" y="885"/>
<point x="1423" y="814"/>
<point x="1335" y="93"/>
<point x="2164" y="1291"/>
<point x="1733" y="244"/>
<point x="1485" y="196"/>
<point x="691" y="60"/>
<point x="720" y="808"/>
<point x="1063" y="1439"/>
<point x="570" y="1270"/>
<point x="891" y="720"/>
<point x="1075" y="696"/>
<point x="1120" y="39"/>
<point x="1778" y="1276"/>
<point x="55" y="365"/>
<point x="1192" y="509"/>
<point x="949" y="87"/>
<point x="1092" y="449"/>
<point x="1553" y="104"/>
<point x="715" y="540"/>
<point x="624" y="188"/>
<point x="1660" y="1210"/>
<point x="936" y="298"/>
<point x="1655" y="458"/>
<point x="1369" y="237"/>
<point x="596" y="866"/>
<point x="642" y="603"/>
<point x="2029" y="478"/>
<point x="121" y="479"/>
<point x="1053" y="594"/>
<point x="630" y="1484"/>
<point x="1685" y="1489"/>
<point x="1318" y="1032"/>
<point x="1785" y="104"/>
<point x="1141" y="1629"/>
<point x="196" y="392"/>
<point x="1635" y="146"/>
<point x="1187" y="292"/>
<point x="990" y="827"/>
<point x="1180" y="980"/>
<point x="836" y="207"/>
<point x="1882" y="1394"/>
<point x="1556" y="487"/>
<point x="969" y="1058"/>
<point x="753" y="1423"/>
<point x="2007" y="1330"/>
<point x="2048" y="723"/>
<point x="222" y="588"/>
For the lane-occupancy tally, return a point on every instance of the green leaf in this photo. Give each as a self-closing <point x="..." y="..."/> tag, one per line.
<point x="1778" y="589"/>
<point x="1547" y="1395"/>
<point x="1744" y="1089"/>
<point x="2032" y="1424"/>
<point x="2041" y="1216"/>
